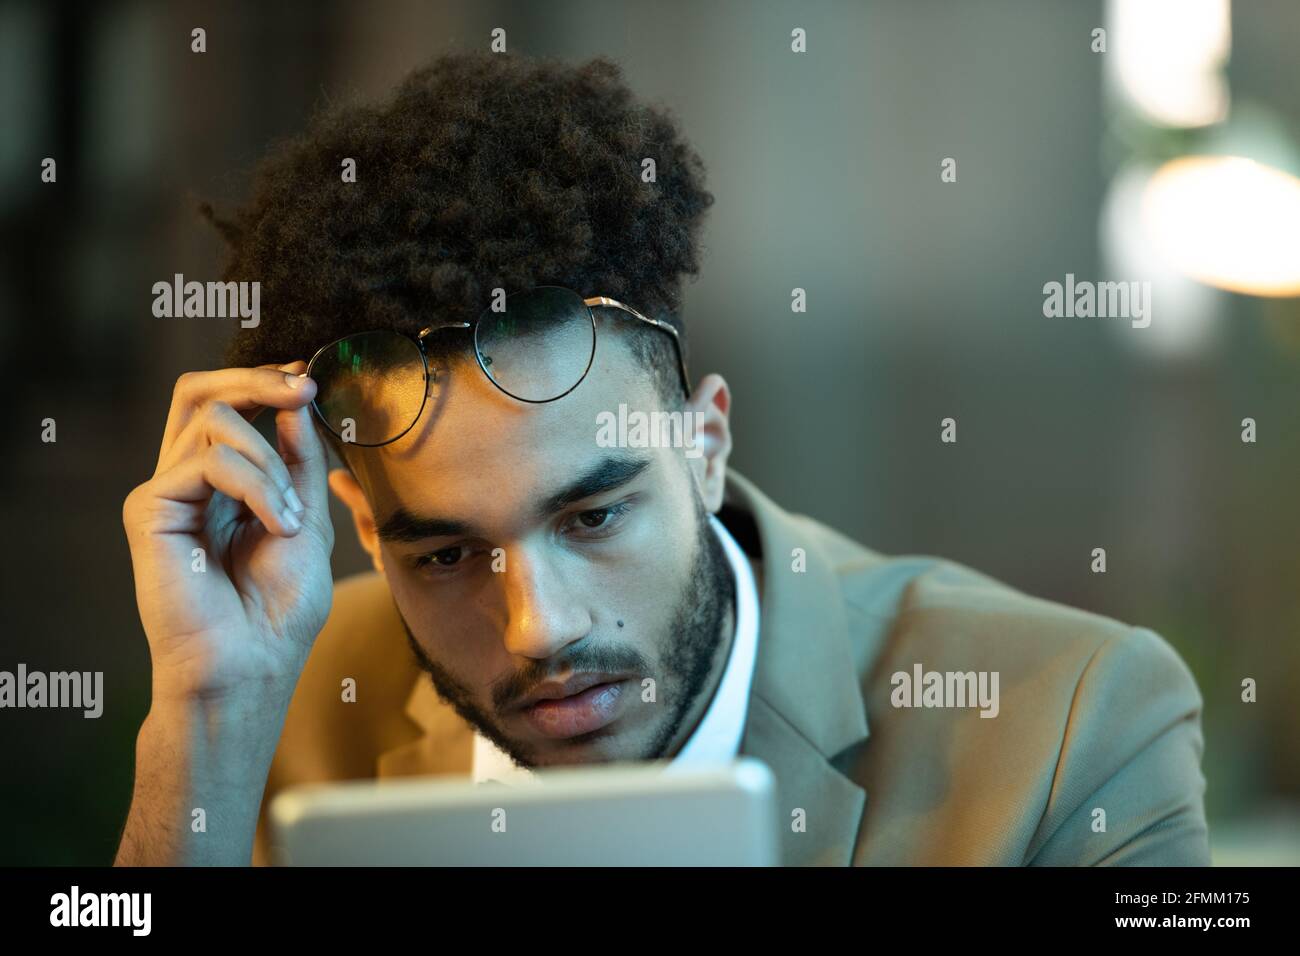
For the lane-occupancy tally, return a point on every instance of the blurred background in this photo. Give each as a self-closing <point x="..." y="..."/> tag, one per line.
<point x="1169" y="157"/>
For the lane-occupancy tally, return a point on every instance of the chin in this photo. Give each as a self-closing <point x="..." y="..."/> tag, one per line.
<point x="599" y="746"/>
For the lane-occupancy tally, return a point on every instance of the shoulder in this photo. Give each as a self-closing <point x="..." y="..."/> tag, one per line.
<point x="348" y="706"/>
<point x="1092" y="715"/>
<point x="924" y="602"/>
<point x="350" y="697"/>
<point x="363" y="635"/>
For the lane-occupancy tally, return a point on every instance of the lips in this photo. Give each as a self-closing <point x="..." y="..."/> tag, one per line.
<point x="576" y="684"/>
<point x="579" y="705"/>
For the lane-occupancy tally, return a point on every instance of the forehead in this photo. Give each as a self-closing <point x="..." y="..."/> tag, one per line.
<point x="477" y="452"/>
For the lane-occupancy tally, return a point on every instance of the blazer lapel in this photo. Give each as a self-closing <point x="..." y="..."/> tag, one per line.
<point x="806" y="706"/>
<point x="439" y="742"/>
<point x="818" y="809"/>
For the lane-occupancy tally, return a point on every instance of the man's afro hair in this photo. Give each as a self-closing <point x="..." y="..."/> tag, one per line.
<point x="480" y="171"/>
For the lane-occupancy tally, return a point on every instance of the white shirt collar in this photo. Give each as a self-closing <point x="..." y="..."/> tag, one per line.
<point x="718" y="735"/>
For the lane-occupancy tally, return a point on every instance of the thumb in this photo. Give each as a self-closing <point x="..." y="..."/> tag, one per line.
<point x="306" y="457"/>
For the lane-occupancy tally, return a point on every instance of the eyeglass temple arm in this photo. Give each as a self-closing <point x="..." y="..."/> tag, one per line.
<point x="658" y="323"/>
<point x="429" y="329"/>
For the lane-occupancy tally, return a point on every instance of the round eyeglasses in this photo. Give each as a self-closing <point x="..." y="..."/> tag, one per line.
<point x="535" y="346"/>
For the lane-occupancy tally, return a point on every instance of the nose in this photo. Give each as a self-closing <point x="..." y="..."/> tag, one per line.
<point x="543" y="613"/>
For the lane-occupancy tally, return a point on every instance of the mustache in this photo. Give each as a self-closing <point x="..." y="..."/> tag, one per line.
<point x="602" y="659"/>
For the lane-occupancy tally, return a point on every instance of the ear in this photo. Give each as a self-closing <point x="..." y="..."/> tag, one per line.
<point x="709" y="407"/>
<point x="348" y="491"/>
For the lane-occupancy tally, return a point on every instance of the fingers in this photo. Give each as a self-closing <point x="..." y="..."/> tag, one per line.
<point x="219" y="424"/>
<point x="221" y="468"/>
<point x="293" y="368"/>
<point x="210" y="445"/>
<point x="247" y="390"/>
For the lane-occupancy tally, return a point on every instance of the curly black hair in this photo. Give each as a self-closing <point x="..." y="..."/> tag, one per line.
<point x="481" y="171"/>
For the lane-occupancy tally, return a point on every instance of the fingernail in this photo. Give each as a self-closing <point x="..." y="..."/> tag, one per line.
<point x="295" y="502"/>
<point x="293" y="381"/>
<point x="290" y="520"/>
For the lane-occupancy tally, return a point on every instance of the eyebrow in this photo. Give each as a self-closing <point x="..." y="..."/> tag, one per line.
<point x="611" y="472"/>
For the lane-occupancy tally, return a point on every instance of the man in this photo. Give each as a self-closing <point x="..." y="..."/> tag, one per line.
<point x="491" y="287"/>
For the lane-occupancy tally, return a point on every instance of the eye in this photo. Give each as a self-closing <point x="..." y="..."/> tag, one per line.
<point x="594" y="519"/>
<point x="598" y="521"/>
<point x="446" y="558"/>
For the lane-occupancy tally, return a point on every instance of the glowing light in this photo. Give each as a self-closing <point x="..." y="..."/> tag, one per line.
<point x="1227" y="221"/>
<point x="1167" y="57"/>
<point x="1189" y="323"/>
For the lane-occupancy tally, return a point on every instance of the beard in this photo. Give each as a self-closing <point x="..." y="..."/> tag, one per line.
<point x="703" y="608"/>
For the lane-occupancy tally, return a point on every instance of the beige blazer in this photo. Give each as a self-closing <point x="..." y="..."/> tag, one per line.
<point x="1093" y="756"/>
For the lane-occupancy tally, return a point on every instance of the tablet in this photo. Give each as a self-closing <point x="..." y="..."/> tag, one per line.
<point x="622" y="814"/>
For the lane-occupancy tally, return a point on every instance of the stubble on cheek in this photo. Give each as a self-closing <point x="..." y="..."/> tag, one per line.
<point x="695" y="637"/>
